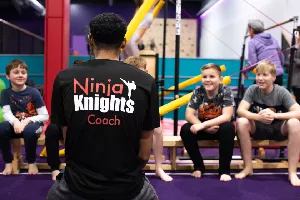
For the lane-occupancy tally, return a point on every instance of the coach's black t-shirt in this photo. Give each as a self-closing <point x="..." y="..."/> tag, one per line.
<point x="105" y="104"/>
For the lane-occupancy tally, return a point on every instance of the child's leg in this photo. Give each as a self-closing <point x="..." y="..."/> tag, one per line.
<point x="226" y="136"/>
<point x="53" y="135"/>
<point x="291" y="127"/>
<point x="244" y="128"/>
<point x="6" y="133"/>
<point x="190" y="142"/>
<point x="158" y="151"/>
<point x="31" y="134"/>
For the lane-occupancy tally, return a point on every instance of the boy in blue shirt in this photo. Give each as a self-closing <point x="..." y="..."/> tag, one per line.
<point x="24" y="112"/>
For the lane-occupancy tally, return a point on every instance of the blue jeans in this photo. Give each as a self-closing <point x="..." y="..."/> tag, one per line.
<point x="31" y="133"/>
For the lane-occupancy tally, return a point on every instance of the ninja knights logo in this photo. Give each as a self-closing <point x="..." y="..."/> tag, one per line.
<point x="109" y="100"/>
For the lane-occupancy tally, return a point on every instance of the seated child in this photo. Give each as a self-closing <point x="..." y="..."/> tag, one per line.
<point x="214" y="103"/>
<point x="157" y="147"/>
<point x="268" y="112"/>
<point x="24" y="112"/>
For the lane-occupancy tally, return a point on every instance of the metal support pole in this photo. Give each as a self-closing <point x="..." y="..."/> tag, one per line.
<point x="163" y="69"/>
<point x="177" y="57"/>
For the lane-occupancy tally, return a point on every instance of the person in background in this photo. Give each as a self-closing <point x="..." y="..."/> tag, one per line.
<point x="131" y="48"/>
<point x="263" y="46"/>
<point x="296" y="70"/>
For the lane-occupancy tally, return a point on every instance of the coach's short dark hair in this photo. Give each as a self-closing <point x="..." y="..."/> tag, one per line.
<point x="108" y="31"/>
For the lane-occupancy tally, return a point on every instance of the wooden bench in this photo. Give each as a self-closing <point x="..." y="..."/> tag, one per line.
<point x="171" y="143"/>
<point x="174" y="142"/>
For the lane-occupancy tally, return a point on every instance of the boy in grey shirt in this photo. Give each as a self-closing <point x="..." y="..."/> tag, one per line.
<point x="268" y="112"/>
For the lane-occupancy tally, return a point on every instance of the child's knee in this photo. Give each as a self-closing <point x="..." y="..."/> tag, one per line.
<point x="227" y="131"/>
<point x="158" y="131"/>
<point x="185" y="129"/>
<point x="5" y="127"/>
<point x="293" y="123"/>
<point x="229" y="126"/>
<point x="242" y="122"/>
<point x="32" y="130"/>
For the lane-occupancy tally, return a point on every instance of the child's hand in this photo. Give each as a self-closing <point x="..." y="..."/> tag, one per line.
<point x="197" y="127"/>
<point x="25" y="122"/>
<point x="212" y="129"/>
<point x="266" y="118"/>
<point x="18" y="127"/>
<point x="267" y="113"/>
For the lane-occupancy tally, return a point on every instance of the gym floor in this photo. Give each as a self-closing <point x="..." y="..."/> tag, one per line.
<point x="260" y="186"/>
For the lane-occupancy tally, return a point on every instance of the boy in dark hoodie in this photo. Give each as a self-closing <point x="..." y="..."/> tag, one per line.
<point x="261" y="46"/>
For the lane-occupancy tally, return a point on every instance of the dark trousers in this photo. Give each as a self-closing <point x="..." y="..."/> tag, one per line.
<point x="225" y="135"/>
<point x="61" y="191"/>
<point x="297" y="94"/>
<point x="31" y="133"/>
<point x="53" y="136"/>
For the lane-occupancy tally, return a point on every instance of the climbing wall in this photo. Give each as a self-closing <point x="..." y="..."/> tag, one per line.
<point x="188" y="37"/>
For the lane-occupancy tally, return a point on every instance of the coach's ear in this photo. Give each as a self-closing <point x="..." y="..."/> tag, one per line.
<point x="123" y="44"/>
<point x="91" y="41"/>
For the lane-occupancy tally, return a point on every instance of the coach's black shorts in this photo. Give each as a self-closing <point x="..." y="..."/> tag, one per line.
<point x="269" y="131"/>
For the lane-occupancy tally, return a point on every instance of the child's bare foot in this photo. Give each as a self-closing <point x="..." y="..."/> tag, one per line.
<point x="225" y="177"/>
<point x="245" y="172"/>
<point x="32" y="169"/>
<point x="163" y="176"/>
<point x="8" y="169"/>
<point x="294" y="180"/>
<point x="196" y="174"/>
<point x="54" y="174"/>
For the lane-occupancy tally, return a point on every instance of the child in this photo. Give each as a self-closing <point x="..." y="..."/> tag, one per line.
<point x="214" y="103"/>
<point x="24" y="113"/>
<point x="131" y="48"/>
<point x="273" y="115"/>
<point x="157" y="147"/>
